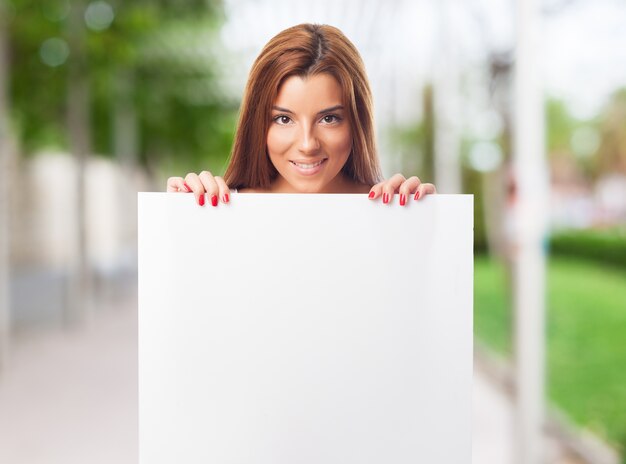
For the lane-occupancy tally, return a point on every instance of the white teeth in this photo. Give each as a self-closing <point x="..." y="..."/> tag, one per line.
<point x="307" y="166"/>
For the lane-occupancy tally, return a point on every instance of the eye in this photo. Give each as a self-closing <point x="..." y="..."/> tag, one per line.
<point x="331" y="118"/>
<point x="282" y="119"/>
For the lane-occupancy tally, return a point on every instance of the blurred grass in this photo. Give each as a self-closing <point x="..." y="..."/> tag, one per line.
<point x="586" y="337"/>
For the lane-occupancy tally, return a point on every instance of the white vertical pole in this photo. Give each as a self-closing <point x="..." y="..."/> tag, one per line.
<point x="531" y="219"/>
<point x="446" y="105"/>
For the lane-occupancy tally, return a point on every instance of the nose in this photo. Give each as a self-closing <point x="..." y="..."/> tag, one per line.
<point x="309" y="143"/>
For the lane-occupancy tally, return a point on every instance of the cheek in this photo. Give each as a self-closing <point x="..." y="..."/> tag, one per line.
<point x="340" y="143"/>
<point x="278" y="141"/>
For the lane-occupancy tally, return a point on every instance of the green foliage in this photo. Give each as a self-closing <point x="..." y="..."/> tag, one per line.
<point x="609" y="127"/>
<point x="37" y="90"/>
<point x="611" y="155"/>
<point x="560" y="126"/>
<point x="492" y="317"/>
<point x="606" y="247"/>
<point x="561" y="131"/>
<point x="473" y="184"/>
<point x="586" y="323"/>
<point x="416" y="142"/>
<point x="155" y="57"/>
<point x="586" y="350"/>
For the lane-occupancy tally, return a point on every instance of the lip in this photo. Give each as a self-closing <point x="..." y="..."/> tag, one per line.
<point x="308" y="161"/>
<point x="308" y="172"/>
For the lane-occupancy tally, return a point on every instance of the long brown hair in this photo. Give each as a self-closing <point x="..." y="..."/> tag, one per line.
<point x="303" y="50"/>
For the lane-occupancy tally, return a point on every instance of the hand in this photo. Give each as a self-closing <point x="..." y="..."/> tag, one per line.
<point x="405" y="187"/>
<point x="199" y="184"/>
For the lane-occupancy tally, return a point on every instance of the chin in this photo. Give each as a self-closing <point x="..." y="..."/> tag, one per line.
<point x="307" y="188"/>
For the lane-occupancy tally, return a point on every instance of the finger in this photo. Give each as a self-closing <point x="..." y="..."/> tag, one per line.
<point x="423" y="190"/>
<point x="210" y="186"/>
<point x="407" y="188"/>
<point x="177" y="184"/>
<point x="391" y="187"/>
<point x="376" y="191"/>
<point x="224" y="194"/>
<point x="193" y="180"/>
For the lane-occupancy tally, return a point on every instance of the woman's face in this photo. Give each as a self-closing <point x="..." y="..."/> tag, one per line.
<point x="309" y="139"/>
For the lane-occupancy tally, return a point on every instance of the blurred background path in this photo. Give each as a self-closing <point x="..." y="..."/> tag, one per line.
<point x="70" y="397"/>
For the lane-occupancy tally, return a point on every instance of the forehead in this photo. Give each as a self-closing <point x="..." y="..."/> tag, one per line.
<point x="319" y="90"/>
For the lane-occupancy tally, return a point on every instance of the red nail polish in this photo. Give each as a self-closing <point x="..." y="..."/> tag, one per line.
<point x="372" y="193"/>
<point x="201" y="200"/>
<point x="385" y="198"/>
<point x="214" y="200"/>
<point x="402" y="199"/>
<point x="417" y="195"/>
<point x="226" y="198"/>
<point x="187" y="187"/>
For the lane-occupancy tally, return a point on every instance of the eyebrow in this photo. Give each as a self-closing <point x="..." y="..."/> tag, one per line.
<point x="332" y="108"/>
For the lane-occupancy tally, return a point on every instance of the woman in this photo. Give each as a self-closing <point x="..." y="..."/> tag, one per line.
<point x="305" y="126"/>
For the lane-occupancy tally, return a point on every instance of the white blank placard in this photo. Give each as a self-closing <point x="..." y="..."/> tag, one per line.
<point x="305" y="329"/>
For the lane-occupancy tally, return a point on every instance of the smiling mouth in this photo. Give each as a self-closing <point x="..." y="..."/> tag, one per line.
<point x="308" y="166"/>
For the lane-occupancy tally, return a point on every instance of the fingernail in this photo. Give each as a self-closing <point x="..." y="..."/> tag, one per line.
<point x="417" y="195"/>
<point x="201" y="200"/>
<point x="226" y="198"/>
<point x="187" y="187"/>
<point x="214" y="200"/>
<point x="372" y="194"/>
<point x="402" y="199"/>
<point x="385" y="198"/>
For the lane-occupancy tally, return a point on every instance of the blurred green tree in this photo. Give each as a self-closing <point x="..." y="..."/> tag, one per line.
<point x="153" y="94"/>
<point x="135" y="80"/>
<point x="611" y="154"/>
<point x="415" y="142"/>
<point x="7" y="155"/>
<point x="560" y="126"/>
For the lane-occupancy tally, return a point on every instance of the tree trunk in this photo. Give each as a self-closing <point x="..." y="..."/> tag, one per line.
<point x="6" y="149"/>
<point x="126" y="149"/>
<point x="79" y="302"/>
<point x="8" y="163"/>
<point x="126" y="143"/>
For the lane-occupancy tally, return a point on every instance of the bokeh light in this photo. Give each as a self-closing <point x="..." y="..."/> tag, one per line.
<point x="99" y="15"/>
<point x="585" y="141"/>
<point x="485" y="156"/>
<point x="54" y="52"/>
